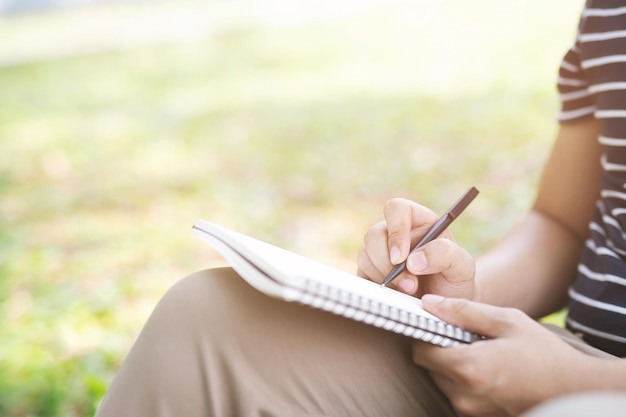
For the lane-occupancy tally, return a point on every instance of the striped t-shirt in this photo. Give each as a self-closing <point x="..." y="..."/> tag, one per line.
<point x="592" y="83"/>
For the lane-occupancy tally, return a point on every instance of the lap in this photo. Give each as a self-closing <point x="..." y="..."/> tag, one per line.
<point x="224" y="346"/>
<point x="214" y="346"/>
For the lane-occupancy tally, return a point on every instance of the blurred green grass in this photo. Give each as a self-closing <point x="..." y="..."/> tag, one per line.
<point x="296" y="134"/>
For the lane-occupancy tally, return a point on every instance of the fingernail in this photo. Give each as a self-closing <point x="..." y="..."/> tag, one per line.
<point x="394" y="255"/>
<point x="407" y="285"/>
<point x="417" y="262"/>
<point x="432" y="298"/>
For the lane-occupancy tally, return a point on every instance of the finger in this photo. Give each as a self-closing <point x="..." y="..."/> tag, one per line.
<point x="367" y="269"/>
<point x="443" y="361"/>
<point x="443" y="256"/>
<point x="484" y="319"/>
<point x="374" y="260"/>
<point x="404" y="217"/>
<point x="464" y="401"/>
<point x="374" y="264"/>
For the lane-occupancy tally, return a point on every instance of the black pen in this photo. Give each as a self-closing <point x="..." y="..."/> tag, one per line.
<point x="437" y="228"/>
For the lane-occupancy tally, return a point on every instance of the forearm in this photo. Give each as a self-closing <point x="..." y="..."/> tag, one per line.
<point x="530" y="268"/>
<point x="589" y="374"/>
<point x="606" y="375"/>
<point x="533" y="265"/>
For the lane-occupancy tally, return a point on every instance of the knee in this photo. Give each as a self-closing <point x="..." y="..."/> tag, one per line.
<point x="197" y="303"/>
<point x="194" y="290"/>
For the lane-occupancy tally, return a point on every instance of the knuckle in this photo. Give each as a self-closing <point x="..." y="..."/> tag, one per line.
<point x="513" y="315"/>
<point x="506" y="319"/>
<point x="393" y="204"/>
<point x="471" y="378"/>
<point x="454" y="262"/>
<point x="448" y="251"/>
<point x="464" y="405"/>
<point x="460" y="305"/>
<point x="395" y="235"/>
<point x="374" y="233"/>
<point x="443" y="252"/>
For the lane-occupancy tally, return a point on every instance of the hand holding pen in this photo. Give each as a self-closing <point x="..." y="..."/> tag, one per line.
<point x="436" y="229"/>
<point x="443" y="267"/>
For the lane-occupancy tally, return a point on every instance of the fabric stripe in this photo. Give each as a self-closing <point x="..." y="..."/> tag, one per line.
<point x="603" y="60"/>
<point x="576" y="82"/>
<point x="598" y="250"/>
<point x="569" y="67"/>
<point x="596" y="228"/>
<point x="578" y="326"/>
<point x="602" y="36"/>
<point x="595" y="303"/>
<point x="597" y="88"/>
<point x="596" y="276"/>
<point x="576" y="114"/>
<point x="609" y="166"/>
<point x="604" y="12"/>
<point x="612" y="141"/>
<point x="619" y="253"/>
<point x="612" y="193"/>
<point x="610" y="114"/>
<point x="574" y="95"/>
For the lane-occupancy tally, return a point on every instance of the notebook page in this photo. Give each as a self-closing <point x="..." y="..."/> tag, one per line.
<point x="294" y="270"/>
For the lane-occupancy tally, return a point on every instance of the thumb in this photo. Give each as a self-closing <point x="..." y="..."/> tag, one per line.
<point x="484" y="319"/>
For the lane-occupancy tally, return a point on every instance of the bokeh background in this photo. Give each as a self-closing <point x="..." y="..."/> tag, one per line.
<point x="121" y="123"/>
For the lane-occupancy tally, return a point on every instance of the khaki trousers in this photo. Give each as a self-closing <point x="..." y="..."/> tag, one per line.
<point x="214" y="346"/>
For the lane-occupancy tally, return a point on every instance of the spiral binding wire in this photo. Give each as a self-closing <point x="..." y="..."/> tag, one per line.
<point x="358" y="308"/>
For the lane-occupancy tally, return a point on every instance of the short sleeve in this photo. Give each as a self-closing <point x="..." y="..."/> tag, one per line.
<point x="576" y="99"/>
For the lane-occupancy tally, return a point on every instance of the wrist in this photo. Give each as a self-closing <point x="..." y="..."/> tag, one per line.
<point x="594" y="374"/>
<point x="609" y="374"/>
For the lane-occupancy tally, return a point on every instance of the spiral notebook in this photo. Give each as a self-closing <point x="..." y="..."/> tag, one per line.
<point x="291" y="277"/>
